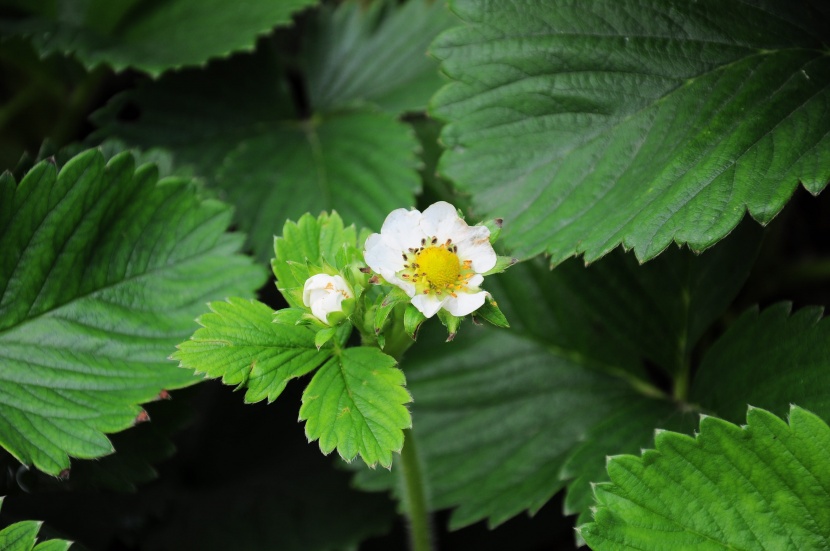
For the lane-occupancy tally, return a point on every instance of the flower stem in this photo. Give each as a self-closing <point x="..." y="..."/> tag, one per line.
<point x="414" y="497"/>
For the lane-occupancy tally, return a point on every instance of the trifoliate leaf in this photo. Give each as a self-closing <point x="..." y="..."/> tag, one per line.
<point x="22" y="536"/>
<point x="309" y="240"/>
<point x="633" y="122"/>
<point x="247" y="141"/>
<point x="147" y="35"/>
<point x="103" y="270"/>
<point x="792" y="368"/>
<point x="762" y="486"/>
<point x="355" y="403"/>
<point x="240" y="342"/>
<point x="376" y="53"/>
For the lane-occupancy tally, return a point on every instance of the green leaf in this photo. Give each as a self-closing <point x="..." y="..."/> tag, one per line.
<point x="490" y="407"/>
<point x="375" y="53"/>
<point x="309" y="240"/>
<point x="151" y="36"/>
<point x="491" y="313"/>
<point x="762" y="486"/>
<point x="355" y="403"/>
<point x="245" y="141"/>
<point x="240" y="343"/>
<point x="21" y="536"/>
<point x="792" y="367"/>
<point x="633" y="122"/>
<point x="412" y="320"/>
<point x="103" y="271"/>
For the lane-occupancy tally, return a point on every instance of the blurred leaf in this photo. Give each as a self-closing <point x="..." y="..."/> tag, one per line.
<point x="633" y="122"/>
<point x="376" y="53"/>
<point x="355" y="403"/>
<point x="234" y="122"/>
<point x="103" y="271"/>
<point x="240" y="342"/>
<point x="147" y="34"/>
<point x="768" y="359"/>
<point x="761" y="486"/>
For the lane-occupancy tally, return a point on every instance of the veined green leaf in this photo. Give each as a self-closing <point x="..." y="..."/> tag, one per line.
<point x="633" y="122"/>
<point x="147" y="35"/>
<point x="376" y="53"/>
<point x="490" y="406"/>
<point x="240" y="343"/>
<point x="762" y="486"/>
<point x="793" y="366"/>
<point x="355" y="403"/>
<point x="245" y="141"/>
<point x="103" y="270"/>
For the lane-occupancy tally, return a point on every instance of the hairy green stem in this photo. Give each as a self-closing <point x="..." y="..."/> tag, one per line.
<point x="413" y="496"/>
<point x="681" y="381"/>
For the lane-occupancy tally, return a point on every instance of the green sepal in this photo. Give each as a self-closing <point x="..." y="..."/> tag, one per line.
<point x="395" y="296"/>
<point x="450" y="322"/>
<point x="323" y="336"/>
<point x="491" y="313"/>
<point x="502" y="263"/>
<point x="494" y="226"/>
<point x="412" y="320"/>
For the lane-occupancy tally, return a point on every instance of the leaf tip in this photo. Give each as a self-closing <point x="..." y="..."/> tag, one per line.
<point x="451" y="337"/>
<point x="64" y="475"/>
<point x="164" y="395"/>
<point x="142" y="417"/>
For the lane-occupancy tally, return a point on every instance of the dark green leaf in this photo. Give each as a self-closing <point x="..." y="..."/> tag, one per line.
<point x="633" y="122"/>
<point x="103" y="270"/>
<point x="375" y="53"/>
<point x="244" y="140"/>
<point x="22" y="536"/>
<point x="148" y="35"/>
<point x="769" y="359"/>
<point x="762" y="486"/>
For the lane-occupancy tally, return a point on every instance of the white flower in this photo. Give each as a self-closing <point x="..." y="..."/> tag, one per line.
<point x="434" y="256"/>
<point x="325" y="294"/>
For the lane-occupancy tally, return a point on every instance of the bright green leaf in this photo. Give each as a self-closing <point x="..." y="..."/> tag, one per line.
<point x="793" y="366"/>
<point x="762" y="486"/>
<point x="240" y="343"/>
<point x="103" y="270"/>
<point x="21" y="536"/>
<point x="355" y="403"/>
<point x="245" y="141"/>
<point x="309" y="240"/>
<point x="634" y="122"/>
<point x="151" y="36"/>
<point x="375" y="53"/>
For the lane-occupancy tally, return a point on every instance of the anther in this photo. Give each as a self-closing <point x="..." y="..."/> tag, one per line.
<point x="404" y="256"/>
<point x="434" y="240"/>
<point x="423" y="241"/>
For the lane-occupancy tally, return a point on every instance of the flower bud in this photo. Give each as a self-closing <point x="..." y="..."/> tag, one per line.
<point x="325" y="294"/>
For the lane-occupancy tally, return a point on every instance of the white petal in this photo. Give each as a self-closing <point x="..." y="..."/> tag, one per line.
<point x="475" y="245"/>
<point x="428" y="304"/>
<point x="465" y="303"/>
<point x="314" y="283"/>
<point x="475" y="281"/>
<point x="441" y="220"/>
<point x="329" y="303"/>
<point x="381" y="256"/>
<point x="402" y="229"/>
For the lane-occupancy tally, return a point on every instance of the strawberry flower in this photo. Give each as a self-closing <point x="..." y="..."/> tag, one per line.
<point x="435" y="257"/>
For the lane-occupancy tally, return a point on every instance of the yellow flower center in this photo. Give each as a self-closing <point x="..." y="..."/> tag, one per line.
<point x="440" y="266"/>
<point x="434" y="268"/>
